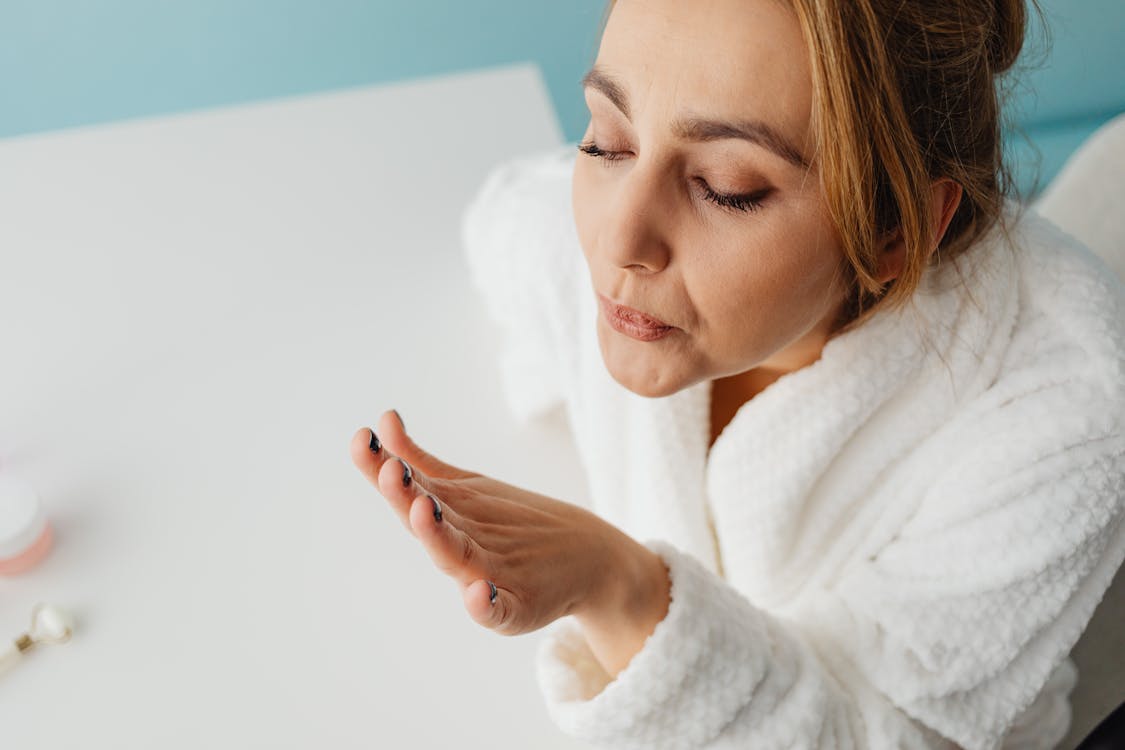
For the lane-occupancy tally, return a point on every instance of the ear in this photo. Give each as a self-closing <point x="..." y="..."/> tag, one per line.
<point x="945" y="197"/>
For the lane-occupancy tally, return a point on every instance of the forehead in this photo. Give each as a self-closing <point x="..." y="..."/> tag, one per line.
<point x="727" y="59"/>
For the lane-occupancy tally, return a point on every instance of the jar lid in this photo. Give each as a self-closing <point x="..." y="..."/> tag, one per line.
<point x="22" y="519"/>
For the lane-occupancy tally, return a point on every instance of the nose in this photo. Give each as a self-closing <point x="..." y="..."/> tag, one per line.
<point x="634" y="235"/>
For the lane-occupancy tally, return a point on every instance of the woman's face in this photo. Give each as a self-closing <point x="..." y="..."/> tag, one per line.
<point x="694" y="200"/>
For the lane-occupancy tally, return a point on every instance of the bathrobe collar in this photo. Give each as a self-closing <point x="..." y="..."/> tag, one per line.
<point x="875" y="392"/>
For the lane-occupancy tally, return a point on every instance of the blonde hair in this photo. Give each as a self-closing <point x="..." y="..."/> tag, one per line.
<point x="905" y="93"/>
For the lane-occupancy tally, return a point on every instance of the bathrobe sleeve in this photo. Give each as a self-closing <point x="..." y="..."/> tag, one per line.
<point x="943" y="635"/>
<point x="524" y="261"/>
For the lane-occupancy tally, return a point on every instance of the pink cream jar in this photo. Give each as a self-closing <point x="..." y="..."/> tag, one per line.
<point x="25" y="535"/>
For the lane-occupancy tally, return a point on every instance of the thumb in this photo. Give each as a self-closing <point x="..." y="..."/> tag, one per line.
<point x="393" y="433"/>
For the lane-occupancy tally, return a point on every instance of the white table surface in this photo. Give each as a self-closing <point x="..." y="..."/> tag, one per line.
<point x="196" y="314"/>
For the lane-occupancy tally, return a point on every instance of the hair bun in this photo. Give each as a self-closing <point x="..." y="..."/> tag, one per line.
<point x="1006" y="34"/>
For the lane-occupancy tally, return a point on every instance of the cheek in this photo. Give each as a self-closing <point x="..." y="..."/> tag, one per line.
<point x="766" y="290"/>
<point x="793" y="261"/>
<point x="584" y="200"/>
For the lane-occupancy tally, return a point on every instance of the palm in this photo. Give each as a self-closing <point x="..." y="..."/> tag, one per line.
<point x="546" y="557"/>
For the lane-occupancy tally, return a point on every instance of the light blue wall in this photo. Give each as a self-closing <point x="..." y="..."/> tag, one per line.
<point x="1067" y="94"/>
<point x="75" y="62"/>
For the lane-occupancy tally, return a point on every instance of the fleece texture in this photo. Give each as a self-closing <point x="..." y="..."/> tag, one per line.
<point x="895" y="546"/>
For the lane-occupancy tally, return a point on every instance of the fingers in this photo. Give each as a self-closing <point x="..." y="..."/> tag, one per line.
<point x="371" y="448"/>
<point x="414" y="483"/>
<point x="492" y="606"/>
<point x="398" y="467"/>
<point x="457" y="555"/>
<point x="396" y="479"/>
<point x="393" y="434"/>
<point x="399" y="484"/>
<point x="452" y="550"/>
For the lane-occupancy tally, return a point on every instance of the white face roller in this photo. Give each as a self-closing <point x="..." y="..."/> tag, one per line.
<point x="49" y="624"/>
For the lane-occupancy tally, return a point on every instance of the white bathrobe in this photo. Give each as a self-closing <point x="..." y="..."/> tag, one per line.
<point x="896" y="546"/>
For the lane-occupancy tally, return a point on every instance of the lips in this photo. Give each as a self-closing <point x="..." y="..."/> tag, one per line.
<point x="633" y="323"/>
<point x="636" y="317"/>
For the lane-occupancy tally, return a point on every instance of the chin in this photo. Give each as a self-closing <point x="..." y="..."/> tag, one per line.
<point x="642" y="376"/>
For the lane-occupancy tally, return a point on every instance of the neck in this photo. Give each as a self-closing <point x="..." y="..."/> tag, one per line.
<point x="730" y="393"/>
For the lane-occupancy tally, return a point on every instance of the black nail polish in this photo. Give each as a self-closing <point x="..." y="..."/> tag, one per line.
<point x="399" y="419"/>
<point x="374" y="444"/>
<point x="437" y="507"/>
<point x="407" y="474"/>
<point x="492" y="592"/>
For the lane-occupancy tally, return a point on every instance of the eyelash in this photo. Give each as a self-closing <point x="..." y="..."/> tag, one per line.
<point x="743" y="203"/>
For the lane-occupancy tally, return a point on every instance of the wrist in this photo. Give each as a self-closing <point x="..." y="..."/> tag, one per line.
<point x="629" y="581"/>
<point x="625" y="607"/>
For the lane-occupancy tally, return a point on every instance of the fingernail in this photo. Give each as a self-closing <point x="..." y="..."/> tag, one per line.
<point x="407" y="475"/>
<point x="399" y="418"/>
<point x="492" y="592"/>
<point x="437" y="507"/>
<point x="375" y="445"/>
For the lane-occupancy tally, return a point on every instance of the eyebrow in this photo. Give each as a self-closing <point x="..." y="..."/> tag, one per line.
<point x="700" y="129"/>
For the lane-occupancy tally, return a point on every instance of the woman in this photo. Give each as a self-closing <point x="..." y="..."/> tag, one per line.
<point x="864" y="415"/>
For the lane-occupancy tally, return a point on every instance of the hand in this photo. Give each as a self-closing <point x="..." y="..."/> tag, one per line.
<point x="547" y="558"/>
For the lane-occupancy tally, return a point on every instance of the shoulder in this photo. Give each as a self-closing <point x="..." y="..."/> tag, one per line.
<point x="1072" y="310"/>
<point x="519" y="221"/>
<point x="1040" y="452"/>
<point x="1018" y="524"/>
<point x="533" y="186"/>
<point x="524" y="260"/>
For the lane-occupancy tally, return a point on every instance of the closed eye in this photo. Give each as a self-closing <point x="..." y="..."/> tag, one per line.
<point x="591" y="149"/>
<point x="745" y="203"/>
